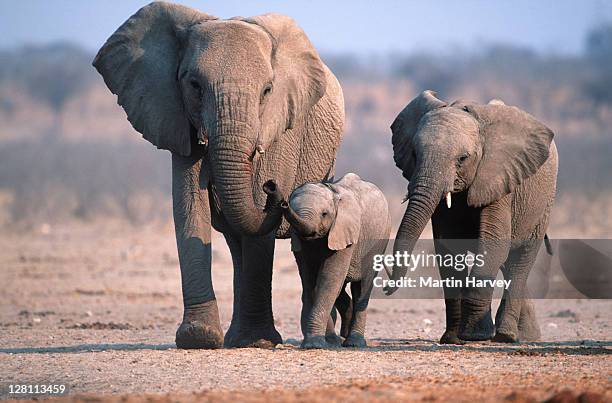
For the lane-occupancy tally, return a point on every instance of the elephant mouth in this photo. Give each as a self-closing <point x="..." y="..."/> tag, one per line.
<point x="312" y="237"/>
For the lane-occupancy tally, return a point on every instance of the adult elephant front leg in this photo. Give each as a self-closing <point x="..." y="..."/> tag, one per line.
<point x="255" y="326"/>
<point x="234" y="243"/>
<point x="200" y="327"/>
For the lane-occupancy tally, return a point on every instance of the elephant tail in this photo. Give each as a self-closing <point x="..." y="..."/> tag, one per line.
<point x="548" y="245"/>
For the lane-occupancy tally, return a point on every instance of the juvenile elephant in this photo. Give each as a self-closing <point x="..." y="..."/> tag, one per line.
<point x="236" y="102"/>
<point x="336" y="229"/>
<point x="485" y="173"/>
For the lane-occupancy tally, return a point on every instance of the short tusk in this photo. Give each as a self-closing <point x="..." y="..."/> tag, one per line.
<point x="448" y="200"/>
<point x="260" y="149"/>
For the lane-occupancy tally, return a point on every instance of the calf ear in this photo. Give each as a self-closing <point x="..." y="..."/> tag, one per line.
<point x="515" y="145"/>
<point x="405" y="126"/>
<point x="347" y="225"/>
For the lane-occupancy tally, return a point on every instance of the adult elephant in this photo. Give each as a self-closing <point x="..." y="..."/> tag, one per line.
<point x="236" y="102"/>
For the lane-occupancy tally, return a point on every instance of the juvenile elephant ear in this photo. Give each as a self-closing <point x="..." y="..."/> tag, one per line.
<point x="515" y="145"/>
<point x="347" y="226"/>
<point x="298" y="70"/>
<point x="139" y="64"/>
<point x="405" y="126"/>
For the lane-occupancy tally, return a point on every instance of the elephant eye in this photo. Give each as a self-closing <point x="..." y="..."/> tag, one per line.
<point x="195" y="85"/>
<point x="267" y="89"/>
<point x="324" y="214"/>
<point x="463" y="157"/>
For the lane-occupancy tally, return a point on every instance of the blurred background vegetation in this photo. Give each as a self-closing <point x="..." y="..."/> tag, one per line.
<point x="67" y="152"/>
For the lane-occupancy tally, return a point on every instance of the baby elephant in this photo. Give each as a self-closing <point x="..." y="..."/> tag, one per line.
<point x="336" y="229"/>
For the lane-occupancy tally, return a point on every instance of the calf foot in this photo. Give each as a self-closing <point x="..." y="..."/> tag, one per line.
<point x="355" y="340"/>
<point x="315" y="342"/>
<point x="200" y="327"/>
<point x="264" y="337"/>
<point x="451" y="337"/>
<point x="333" y="340"/>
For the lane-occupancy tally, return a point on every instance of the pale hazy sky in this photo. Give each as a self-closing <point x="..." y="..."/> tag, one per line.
<point x="338" y="26"/>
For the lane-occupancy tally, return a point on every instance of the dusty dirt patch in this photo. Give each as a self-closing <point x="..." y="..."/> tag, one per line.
<point x="96" y="307"/>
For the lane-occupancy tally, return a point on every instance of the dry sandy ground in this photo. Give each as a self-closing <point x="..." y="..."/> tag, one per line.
<point x="96" y="307"/>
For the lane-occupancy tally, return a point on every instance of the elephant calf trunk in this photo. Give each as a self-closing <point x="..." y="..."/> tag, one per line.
<point x="298" y="223"/>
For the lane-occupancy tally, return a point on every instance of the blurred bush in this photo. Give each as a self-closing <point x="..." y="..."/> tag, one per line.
<point x="67" y="151"/>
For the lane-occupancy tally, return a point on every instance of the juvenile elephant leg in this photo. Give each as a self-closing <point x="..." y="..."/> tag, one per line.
<point x="516" y="301"/>
<point x="360" y="291"/>
<point x="200" y="327"/>
<point x="493" y="247"/>
<point x="308" y="275"/>
<point x="308" y="278"/>
<point x="476" y="321"/>
<point x="328" y="284"/>
<point x="452" y="295"/>
<point x="255" y="321"/>
<point x="529" y="329"/>
<point x="234" y="244"/>
<point x="330" y="332"/>
<point x="344" y="304"/>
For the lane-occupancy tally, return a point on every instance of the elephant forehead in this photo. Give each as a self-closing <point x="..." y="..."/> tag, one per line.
<point x="311" y="195"/>
<point x="223" y="44"/>
<point x="448" y="123"/>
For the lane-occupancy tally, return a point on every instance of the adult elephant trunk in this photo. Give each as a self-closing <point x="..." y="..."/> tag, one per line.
<point x="232" y="146"/>
<point x="423" y="200"/>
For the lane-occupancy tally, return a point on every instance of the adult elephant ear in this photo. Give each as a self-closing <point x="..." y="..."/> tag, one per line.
<point x="405" y="126"/>
<point x="515" y="145"/>
<point x="299" y="73"/>
<point x="139" y="64"/>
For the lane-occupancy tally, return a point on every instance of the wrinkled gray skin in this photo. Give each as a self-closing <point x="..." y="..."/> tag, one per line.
<point x="500" y="165"/>
<point x="336" y="229"/>
<point x="237" y="102"/>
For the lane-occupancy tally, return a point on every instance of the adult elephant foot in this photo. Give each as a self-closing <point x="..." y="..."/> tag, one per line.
<point x="267" y="337"/>
<point x="355" y="340"/>
<point x="476" y="320"/>
<point x="200" y="327"/>
<point x="314" y="342"/>
<point x="333" y="339"/>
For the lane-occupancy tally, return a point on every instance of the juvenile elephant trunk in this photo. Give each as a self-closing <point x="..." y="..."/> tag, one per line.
<point x="297" y="222"/>
<point x="422" y="204"/>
